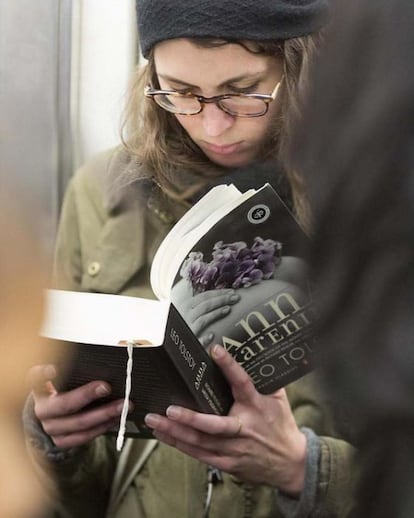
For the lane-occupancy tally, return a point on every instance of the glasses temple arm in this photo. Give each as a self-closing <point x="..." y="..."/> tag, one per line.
<point x="276" y="88"/>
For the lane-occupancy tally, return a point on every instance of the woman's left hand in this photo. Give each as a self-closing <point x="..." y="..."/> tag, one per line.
<point x="258" y="441"/>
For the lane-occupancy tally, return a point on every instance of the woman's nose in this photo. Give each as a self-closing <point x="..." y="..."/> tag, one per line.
<point x="215" y="121"/>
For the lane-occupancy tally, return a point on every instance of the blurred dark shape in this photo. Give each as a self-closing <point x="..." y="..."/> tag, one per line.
<point x="358" y="159"/>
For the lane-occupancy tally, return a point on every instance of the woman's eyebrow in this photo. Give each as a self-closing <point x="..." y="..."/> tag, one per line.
<point x="230" y="80"/>
<point x="175" y="80"/>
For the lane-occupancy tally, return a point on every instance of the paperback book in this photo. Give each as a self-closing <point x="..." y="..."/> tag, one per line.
<point x="230" y="272"/>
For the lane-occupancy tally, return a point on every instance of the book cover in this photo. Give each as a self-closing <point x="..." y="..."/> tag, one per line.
<point x="256" y="251"/>
<point x="248" y="245"/>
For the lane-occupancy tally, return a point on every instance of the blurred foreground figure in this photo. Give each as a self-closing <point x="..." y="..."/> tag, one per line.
<point x="359" y="164"/>
<point x="21" y="282"/>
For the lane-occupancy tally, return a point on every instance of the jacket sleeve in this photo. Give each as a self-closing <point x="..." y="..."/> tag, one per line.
<point x="330" y="465"/>
<point x="83" y="480"/>
<point x="336" y="479"/>
<point x="77" y="481"/>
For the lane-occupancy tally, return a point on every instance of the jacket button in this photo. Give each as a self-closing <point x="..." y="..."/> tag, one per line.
<point x="94" y="268"/>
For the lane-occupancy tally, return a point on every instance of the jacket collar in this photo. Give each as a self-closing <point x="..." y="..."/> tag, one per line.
<point x="126" y="181"/>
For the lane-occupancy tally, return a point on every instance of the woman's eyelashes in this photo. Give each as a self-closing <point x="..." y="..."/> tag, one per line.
<point x="243" y="89"/>
<point x="228" y="89"/>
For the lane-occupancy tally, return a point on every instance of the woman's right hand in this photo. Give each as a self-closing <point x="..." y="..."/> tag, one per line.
<point x="63" y="415"/>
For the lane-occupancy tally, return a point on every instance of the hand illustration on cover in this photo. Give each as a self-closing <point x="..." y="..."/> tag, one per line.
<point x="201" y="310"/>
<point x="231" y="282"/>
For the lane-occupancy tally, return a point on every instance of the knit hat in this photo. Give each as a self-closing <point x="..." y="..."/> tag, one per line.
<point x="259" y="20"/>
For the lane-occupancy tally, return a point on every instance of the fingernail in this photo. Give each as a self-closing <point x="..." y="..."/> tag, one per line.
<point x="217" y="351"/>
<point x="102" y="390"/>
<point x="152" y="420"/>
<point x="173" y="412"/>
<point x="234" y="298"/>
<point x="225" y="310"/>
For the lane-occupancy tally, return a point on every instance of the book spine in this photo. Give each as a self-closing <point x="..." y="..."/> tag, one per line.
<point x="201" y="375"/>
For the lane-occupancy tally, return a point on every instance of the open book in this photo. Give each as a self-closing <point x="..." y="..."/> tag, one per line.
<point x="229" y="272"/>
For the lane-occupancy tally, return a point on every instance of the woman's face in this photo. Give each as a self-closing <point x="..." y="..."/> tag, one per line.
<point x="226" y="140"/>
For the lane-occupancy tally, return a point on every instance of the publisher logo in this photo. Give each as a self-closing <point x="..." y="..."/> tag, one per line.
<point x="258" y="214"/>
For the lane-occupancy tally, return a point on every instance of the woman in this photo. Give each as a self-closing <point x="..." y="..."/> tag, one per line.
<point x="213" y="103"/>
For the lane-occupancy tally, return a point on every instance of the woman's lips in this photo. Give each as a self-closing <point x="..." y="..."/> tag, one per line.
<point x="222" y="150"/>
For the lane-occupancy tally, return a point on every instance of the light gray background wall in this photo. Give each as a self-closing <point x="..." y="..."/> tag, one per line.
<point x="64" y="70"/>
<point x="35" y="146"/>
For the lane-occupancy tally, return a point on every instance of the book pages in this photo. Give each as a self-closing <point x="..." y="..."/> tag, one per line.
<point x="97" y="318"/>
<point x="218" y="202"/>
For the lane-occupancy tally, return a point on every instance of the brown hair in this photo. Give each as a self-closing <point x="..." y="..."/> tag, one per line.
<point x="156" y="140"/>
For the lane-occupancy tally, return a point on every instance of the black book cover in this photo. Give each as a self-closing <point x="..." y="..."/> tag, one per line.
<point x="256" y="251"/>
<point x="178" y="372"/>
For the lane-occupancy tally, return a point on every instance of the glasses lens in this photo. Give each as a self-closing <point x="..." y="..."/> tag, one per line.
<point x="178" y="104"/>
<point x="243" y="106"/>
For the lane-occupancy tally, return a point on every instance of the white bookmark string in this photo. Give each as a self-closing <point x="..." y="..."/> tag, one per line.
<point x="122" y="422"/>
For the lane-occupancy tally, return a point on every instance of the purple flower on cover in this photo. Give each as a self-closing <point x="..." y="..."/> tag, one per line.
<point x="199" y="273"/>
<point x="233" y="265"/>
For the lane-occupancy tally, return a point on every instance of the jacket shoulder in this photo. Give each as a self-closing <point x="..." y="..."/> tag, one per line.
<point x="96" y="176"/>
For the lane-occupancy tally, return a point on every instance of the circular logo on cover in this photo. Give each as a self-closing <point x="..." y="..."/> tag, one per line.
<point x="258" y="214"/>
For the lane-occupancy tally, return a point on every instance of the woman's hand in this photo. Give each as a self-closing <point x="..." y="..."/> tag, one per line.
<point x="62" y="415"/>
<point x="258" y="441"/>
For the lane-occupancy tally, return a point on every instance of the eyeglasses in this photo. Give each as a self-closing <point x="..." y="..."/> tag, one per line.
<point x="238" y="105"/>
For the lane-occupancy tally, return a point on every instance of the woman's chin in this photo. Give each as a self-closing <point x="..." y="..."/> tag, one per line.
<point x="239" y="159"/>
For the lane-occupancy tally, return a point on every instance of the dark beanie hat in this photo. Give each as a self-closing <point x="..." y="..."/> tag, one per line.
<point x="259" y="20"/>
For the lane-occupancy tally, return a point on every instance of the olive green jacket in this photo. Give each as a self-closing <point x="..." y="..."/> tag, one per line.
<point x="107" y="238"/>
